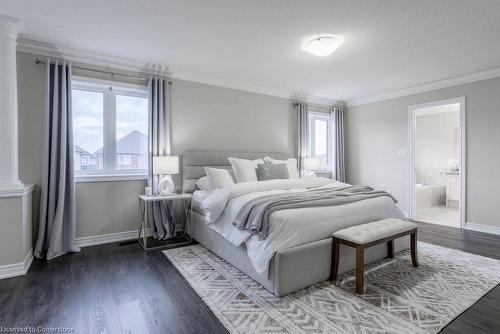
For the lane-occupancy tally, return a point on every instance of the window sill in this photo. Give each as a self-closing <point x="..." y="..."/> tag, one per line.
<point x="110" y="178"/>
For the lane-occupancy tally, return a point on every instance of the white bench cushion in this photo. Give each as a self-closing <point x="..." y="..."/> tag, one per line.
<point x="366" y="233"/>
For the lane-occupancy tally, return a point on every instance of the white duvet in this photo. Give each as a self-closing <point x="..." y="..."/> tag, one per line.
<point x="291" y="227"/>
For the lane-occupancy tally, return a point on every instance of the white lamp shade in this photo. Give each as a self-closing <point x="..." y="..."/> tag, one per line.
<point x="166" y="165"/>
<point x="311" y="164"/>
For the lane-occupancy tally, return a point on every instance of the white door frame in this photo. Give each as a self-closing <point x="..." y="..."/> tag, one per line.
<point x="412" y="122"/>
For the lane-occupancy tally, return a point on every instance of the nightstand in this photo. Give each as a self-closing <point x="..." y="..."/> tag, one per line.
<point x="145" y="202"/>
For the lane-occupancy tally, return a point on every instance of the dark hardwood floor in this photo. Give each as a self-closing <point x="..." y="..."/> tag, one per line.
<point x="115" y="289"/>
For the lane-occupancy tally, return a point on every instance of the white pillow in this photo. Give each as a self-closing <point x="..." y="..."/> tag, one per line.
<point x="244" y="170"/>
<point x="218" y="178"/>
<point x="203" y="183"/>
<point x="291" y="163"/>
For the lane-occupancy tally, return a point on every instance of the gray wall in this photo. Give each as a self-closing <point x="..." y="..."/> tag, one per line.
<point x="376" y="131"/>
<point x="207" y="117"/>
<point x="204" y="117"/>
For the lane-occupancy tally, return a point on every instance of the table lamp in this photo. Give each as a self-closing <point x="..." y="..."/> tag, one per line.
<point x="166" y="165"/>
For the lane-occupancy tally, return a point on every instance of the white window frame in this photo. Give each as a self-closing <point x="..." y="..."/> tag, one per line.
<point x="109" y="89"/>
<point x="312" y="116"/>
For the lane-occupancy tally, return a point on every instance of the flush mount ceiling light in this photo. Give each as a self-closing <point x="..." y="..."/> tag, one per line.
<point x="323" y="45"/>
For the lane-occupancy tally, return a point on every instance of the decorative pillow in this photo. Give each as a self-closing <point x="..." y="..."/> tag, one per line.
<point x="293" y="172"/>
<point x="244" y="170"/>
<point x="203" y="183"/>
<point x="218" y="178"/>
<point x="272" y="171"/>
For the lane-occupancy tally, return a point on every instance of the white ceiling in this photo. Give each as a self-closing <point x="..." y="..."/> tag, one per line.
<point x="389" y="45"/>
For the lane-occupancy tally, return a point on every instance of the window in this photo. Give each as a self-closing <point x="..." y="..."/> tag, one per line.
<point x="124" y="160"/>
<point x="110" y="129"/>
<point x="320" y="138"/>
<point x="84" y="161"/>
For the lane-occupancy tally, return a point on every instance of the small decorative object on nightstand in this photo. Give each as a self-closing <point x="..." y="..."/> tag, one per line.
<point x="166" y="165"/>
<point x="145" y="203"/>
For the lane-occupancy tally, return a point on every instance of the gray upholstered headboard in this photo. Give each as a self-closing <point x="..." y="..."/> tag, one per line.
<point x="193" y="163"/>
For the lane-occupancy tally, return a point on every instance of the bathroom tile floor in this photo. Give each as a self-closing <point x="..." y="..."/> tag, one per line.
<point x="441" y="215"/>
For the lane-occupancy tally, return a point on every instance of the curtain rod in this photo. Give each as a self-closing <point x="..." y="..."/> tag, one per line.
<point x="319" y="106"/>
<point x="112" y="74"/>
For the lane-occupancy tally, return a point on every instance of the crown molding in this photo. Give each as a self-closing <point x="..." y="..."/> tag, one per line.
<point x="118" y="63"/>
<point x="258" y="89"/>
<point x="220" y="82"/>
<point x="455" y="81"/>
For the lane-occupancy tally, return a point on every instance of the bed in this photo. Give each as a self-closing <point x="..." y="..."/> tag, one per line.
<point x="294" y="264"/>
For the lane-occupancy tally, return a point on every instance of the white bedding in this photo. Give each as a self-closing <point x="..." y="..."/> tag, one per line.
<point x="199" y="196"/>
<point x="291" y="227"/>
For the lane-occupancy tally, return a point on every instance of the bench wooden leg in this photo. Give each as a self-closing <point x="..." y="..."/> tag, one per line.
<point x="390" y="249"/>
<point x="413" y="242"/>
<point x="360" y="262"/>
<point x="334" y="268"/>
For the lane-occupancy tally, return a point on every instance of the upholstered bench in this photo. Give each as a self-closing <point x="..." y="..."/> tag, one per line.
<point x="371" y="234"/>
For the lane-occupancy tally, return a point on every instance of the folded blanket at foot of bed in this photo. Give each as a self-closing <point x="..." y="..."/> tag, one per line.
<point x="254" y="215"/>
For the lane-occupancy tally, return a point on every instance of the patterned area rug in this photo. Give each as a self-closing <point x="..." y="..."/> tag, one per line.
<point x="398" y="298"/>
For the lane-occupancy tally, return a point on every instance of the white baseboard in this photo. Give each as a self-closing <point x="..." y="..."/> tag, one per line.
<point x="106" y="238"/>
<point x="482" y="228"/>
<point x="17" y="269"/>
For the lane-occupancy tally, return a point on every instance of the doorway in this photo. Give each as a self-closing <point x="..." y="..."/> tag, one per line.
<point x="437" y="162"/>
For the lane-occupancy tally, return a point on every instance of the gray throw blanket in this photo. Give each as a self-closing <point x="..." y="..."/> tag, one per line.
<point x="254" y="215"/>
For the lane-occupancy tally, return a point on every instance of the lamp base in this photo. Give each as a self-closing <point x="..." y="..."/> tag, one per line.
<point x="166" y="186"/>
<point x="309" y="173"/>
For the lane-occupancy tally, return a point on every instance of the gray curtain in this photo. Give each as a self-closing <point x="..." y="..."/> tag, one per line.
<point x="338" y="167"/>
<point x="159" y="144"/>
<point x="302" y="133"/>
<point x="56" y="231"/>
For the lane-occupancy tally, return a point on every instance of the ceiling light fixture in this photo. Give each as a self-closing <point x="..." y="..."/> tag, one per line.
<point x="323" y="45"/>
